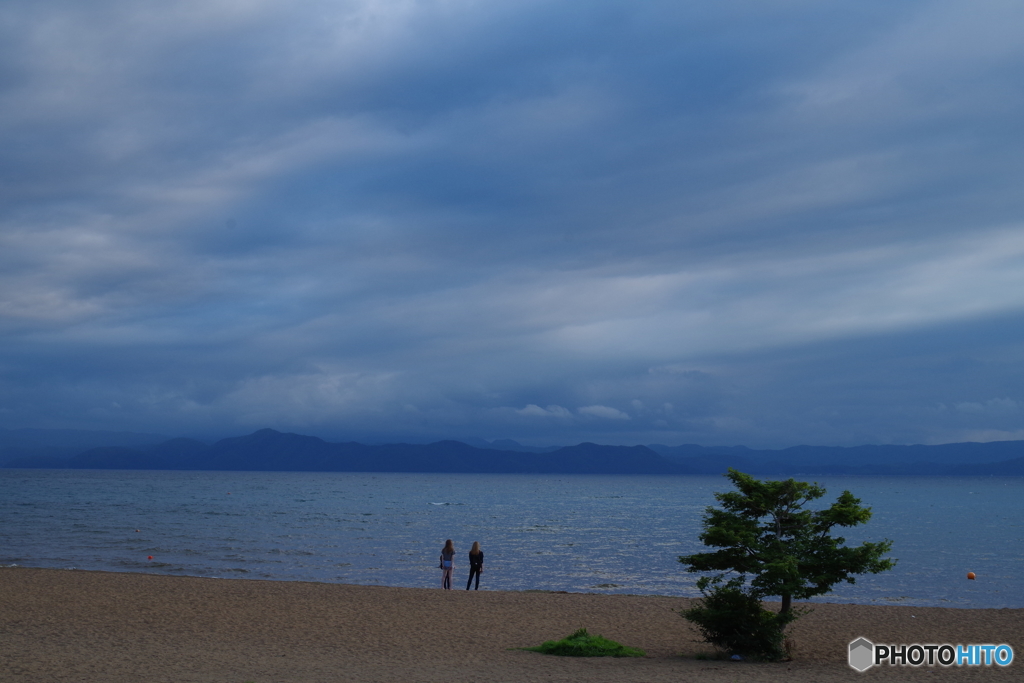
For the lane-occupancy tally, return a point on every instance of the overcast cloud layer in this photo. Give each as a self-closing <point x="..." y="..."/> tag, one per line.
<point x="661" y="222"/>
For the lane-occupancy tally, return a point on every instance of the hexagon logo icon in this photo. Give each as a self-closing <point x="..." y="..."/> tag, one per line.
<point x="862" y="654"/>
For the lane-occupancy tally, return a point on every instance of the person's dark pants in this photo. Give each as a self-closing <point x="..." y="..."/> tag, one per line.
<point x="473" y="571"/>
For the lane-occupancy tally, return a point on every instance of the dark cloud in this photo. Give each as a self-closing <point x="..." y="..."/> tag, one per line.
<point x="725" y="223"/>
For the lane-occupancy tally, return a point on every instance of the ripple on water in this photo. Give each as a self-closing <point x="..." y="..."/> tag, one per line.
<point x="605" y="534"/>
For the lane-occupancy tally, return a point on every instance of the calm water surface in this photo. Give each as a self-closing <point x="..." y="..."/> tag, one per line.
<point x="574" y="533"/>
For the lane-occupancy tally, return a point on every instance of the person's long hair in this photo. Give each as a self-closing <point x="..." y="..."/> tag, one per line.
<point x="476" y="548"/>
<point x="448" y="546"/>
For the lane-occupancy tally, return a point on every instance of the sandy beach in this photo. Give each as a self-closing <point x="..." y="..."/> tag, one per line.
<point x="83" y="627"/>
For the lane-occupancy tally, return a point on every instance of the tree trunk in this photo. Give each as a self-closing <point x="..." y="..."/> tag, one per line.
<point x="786" y="600"/>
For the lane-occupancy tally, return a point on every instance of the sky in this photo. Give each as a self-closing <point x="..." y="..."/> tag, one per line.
<point x="725" y="223"/>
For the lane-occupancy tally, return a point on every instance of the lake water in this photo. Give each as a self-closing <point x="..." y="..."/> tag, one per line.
<point x="601" y="534"/>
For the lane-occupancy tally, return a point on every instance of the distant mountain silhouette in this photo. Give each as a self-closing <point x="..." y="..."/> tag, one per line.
<point x="510" y="445"/>
<point x="53" y="447"/>
<point x="270" y="450"/>
<point x="993" y="458"/>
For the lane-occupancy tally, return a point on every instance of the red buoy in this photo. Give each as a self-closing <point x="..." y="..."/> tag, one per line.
<point x="970" y="575"/>
<point x="150" y="557"/>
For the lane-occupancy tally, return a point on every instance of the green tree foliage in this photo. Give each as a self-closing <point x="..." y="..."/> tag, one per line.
<point x="769" y="545"/>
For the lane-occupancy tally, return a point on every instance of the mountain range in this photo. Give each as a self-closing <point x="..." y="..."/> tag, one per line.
<point x="270" y="450"/>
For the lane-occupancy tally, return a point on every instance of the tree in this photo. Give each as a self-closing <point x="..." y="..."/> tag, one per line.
<point x="763" y="532"/>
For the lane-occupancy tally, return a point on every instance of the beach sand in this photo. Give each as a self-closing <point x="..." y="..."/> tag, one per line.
<point x="73" y="626"/>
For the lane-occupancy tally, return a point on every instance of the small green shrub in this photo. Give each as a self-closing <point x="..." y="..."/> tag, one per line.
<point x="582" y="644"/>
<point x="735" y="621"/>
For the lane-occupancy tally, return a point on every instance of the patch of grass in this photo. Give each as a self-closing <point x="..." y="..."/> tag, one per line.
<point x="582" y="644"/>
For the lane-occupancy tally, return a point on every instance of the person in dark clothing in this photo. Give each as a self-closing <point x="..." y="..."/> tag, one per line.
<point x="447" y="564"/>
<point x="476" y="565"/>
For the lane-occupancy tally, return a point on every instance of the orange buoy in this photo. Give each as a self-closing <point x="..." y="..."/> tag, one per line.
<point x="150" y="557"/>
<point x="970" y="575"/>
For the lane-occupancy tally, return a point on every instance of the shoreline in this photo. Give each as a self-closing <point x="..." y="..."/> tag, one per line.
<point x="811" y="604"/>
<point x="81" y="626"/>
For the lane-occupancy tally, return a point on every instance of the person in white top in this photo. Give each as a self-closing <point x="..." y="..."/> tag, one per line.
<point x="447" y="564"/>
